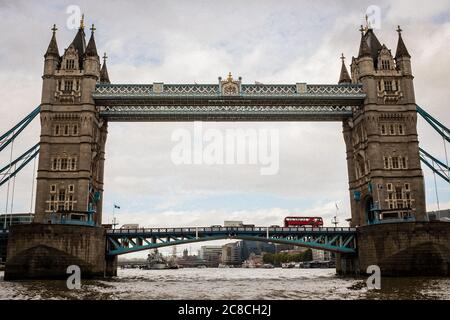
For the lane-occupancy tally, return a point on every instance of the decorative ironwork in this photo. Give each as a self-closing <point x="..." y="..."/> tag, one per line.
<point x="123" y="90"/>
<point x="325" y="89"/>
<point x="271" y="89"/>
<point x="187" y="89"/>
<point x="118" y="90"/>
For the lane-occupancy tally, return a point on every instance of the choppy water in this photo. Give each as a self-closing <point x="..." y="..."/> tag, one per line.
<point x="229" y="284"/>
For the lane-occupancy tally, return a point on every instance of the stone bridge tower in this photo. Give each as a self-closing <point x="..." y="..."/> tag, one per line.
<point x="385" y="176"/>
<point x="71" y="159"/>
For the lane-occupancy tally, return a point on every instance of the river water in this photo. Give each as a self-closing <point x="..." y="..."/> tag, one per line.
<point x="229" y="283"/>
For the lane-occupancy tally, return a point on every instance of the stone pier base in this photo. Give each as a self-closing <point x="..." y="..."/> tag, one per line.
<point x="44" y="251"/>
<point x="400" y="249"/>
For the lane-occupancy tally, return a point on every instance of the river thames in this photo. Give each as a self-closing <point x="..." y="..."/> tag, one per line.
<point x="229" y="284"/>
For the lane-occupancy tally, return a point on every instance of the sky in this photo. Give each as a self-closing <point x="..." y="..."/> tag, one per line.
<point x="196" y="42"/>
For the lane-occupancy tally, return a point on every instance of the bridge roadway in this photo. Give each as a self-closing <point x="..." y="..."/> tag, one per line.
<point x="340" y="240"/>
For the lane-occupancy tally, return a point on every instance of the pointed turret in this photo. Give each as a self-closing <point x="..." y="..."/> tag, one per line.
<point x="79" y="42"/>
<point x="52" y="58"/>
<point x="52" y="49"/>
<point x="104" y="77"/>
<point x="373" y="43"/>
<point x="364" y="50"/>
<point x="91" y="49"/>
<point x="344" y="78"/>
<point x="402" y="56"/>
<point x="91" y="61"/>
<point x="401" y="48"/>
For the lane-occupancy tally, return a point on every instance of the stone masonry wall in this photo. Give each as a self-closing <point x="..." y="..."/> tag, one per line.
<point x="45" y="251"/>
<point x="404" y="249"/>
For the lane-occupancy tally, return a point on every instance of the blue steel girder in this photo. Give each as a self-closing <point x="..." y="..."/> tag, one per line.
<point x="341" y="240"/>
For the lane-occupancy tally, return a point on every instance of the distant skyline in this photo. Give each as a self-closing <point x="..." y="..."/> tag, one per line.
<point x="196" y="42"/>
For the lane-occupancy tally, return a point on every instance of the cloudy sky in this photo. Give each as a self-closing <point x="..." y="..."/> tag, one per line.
<point x="198" y="41"/>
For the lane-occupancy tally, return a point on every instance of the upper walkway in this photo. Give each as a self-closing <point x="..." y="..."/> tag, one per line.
<point x="212" y="102"/>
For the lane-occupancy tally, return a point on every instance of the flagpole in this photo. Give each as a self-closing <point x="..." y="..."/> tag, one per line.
<point x="113" y="222"/>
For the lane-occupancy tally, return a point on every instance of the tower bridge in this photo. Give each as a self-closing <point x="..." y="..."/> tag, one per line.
<point x="375" y="102"/>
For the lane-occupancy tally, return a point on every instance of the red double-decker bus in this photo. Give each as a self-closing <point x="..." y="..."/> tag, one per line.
<point x="303" y="222"/>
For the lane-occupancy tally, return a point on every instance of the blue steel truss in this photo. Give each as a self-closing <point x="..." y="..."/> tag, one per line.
<point x="122" y="241"/>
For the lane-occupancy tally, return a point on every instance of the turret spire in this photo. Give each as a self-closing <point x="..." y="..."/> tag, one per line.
<point x="363" y="46"/>
<point x="53" y="46"/>
<point x="104" y="77"/>
<point x="401" y="48"/>
<point x="344" y="77"/>
<point x="91" y="49"/>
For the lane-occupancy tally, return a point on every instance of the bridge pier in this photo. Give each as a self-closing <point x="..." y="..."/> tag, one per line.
<point x="44" y="251"/>
<point x="111" y="266"/>
<point x="400" y="249"/>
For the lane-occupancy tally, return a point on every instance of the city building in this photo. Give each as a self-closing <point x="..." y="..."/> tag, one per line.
<point x="211" y="255"/>
<point x="231" y="254"/>
<point x="189" y="261"/>
<point x="255" y="247"/>
<point x="320" y="255"/>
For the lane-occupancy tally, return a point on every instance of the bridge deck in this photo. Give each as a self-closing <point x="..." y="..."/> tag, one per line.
<point x="132" y="240"/>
